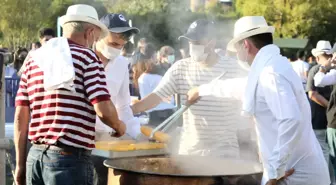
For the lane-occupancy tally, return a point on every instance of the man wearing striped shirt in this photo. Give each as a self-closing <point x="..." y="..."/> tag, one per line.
<point x="207" y="131"/>
<point x="61" y="90"/>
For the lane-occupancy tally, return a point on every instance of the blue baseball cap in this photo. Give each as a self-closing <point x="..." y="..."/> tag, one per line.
<point x="200" y="30"/>
<point x="117" y="23"/>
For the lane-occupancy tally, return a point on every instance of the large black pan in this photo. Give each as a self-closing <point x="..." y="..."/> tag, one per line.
<point x="186" y="166"/>
<point x="178" y="170"/>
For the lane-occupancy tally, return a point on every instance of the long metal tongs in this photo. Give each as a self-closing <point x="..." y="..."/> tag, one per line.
<point x="169" y="121"/>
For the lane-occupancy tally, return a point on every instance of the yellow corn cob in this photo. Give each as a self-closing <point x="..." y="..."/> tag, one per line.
<point x="122" y="148"/>
<point x="158" y="136"/>
<point x="148" y="146"/>
<point x="109" y="145"/>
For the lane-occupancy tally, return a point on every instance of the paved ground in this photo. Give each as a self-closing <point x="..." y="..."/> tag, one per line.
<point x="9" y="133"/>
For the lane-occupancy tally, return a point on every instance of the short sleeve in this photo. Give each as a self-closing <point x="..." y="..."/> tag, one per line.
<point x="167" y="86"/>
<point x="22" y="97"/>
<point x="310" y="80"/>
<point x="95" y="83"/>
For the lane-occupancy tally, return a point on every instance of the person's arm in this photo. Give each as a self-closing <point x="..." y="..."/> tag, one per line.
<point x="124" y="110"/>
<point x="317" y="98"/>
<point x="323" y="79"/>
<point x="312" y="90"/>
<point x="281" y="100"/>
<point x="95" y="88"/>
<point x="166" y="88"/>
<point x="147" y="103"/>
<point x="229" y="88"/>
<point x="21" y="126"/>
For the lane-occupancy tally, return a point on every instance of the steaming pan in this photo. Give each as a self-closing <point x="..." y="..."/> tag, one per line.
<point x="185" y="166"/>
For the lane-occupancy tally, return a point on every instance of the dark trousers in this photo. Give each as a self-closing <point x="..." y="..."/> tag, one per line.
<point x="48" y="165"/>
<point x="101" y="171"/>
<point x="157" y="117"/>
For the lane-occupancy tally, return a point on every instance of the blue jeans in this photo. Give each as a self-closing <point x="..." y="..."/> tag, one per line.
<point x="56" y="167"/>
<point x="321" y="136"/>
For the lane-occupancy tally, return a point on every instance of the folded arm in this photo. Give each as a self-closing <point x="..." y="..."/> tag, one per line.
<point x="318" y="98"/>
<point x="322" y="79"/>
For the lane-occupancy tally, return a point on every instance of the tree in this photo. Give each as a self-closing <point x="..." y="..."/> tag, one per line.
<point x="163" y="21"/>
<point x="58" y="8"/>
<point x="313" y="19"/>
<point x="20" y="20"/>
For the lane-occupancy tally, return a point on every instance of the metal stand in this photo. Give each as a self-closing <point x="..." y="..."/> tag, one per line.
<point x="3" y="145"/>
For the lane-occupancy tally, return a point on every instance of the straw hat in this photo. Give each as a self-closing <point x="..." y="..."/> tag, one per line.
<point x="83" y="13"/>
<point x="321" y="48"/>
<point x="248" y="26"/>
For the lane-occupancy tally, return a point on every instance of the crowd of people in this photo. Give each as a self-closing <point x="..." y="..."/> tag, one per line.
<point x="75" y="90"/>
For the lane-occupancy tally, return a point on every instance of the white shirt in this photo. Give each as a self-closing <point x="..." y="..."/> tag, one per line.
<point x="301" y="67"/>
<point x="283" y="123"/>
<point x="207" y="131"/>
<point x="322" y="80"/>
<point x="117" y="79"/>
<point x="147" y="83"/>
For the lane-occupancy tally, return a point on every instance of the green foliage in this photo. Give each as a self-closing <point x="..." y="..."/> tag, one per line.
<point x="163" y="21"/>
<point x="20" y="20"/>
<point x="313" y="19"/>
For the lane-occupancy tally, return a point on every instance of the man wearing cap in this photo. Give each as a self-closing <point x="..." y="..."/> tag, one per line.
<point x="61" y="91"/>
<point x="108" y="50"/>
<point x="206" y="131"/>
<point x="274" y="96"/>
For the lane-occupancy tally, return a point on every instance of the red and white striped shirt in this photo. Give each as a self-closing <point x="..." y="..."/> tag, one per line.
<point x="62" y="116"/>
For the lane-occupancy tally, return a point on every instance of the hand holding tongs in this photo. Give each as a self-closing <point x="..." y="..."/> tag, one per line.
<point x="169" y="121"/>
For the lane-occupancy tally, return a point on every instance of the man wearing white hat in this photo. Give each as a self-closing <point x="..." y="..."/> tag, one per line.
<point x="274" y="96"/>
<point x="325" y="77"/>
<point x="62" y="89"/>
<point x="319" y="98"/>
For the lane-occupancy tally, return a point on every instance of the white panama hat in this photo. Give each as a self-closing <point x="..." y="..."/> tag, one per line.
<point x="83" y="13"/>
<point x="322" y="47"/>
<point x="248" y="26"/>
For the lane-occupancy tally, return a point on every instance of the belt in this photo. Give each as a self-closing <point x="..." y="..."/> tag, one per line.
<point x="62" y="148"/>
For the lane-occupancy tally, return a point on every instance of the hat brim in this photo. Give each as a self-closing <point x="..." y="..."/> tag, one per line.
<point x="124" y="29"/>
<point x="193" y="36"/>
<point x="234" y="41"/>
<point x="189" y="36"/>
<point x="315" y="52"/>
<point x="72" y="18"/>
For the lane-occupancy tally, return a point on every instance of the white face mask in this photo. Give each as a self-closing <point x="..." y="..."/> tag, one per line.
<point x="243" y="60"/>
<point x="171" y="59"/>
<point x="107" y="51"/>
<point x="197" y="52"/>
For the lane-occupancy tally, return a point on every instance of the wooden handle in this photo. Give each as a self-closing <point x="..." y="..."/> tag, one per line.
<point x="158" y="136"/>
